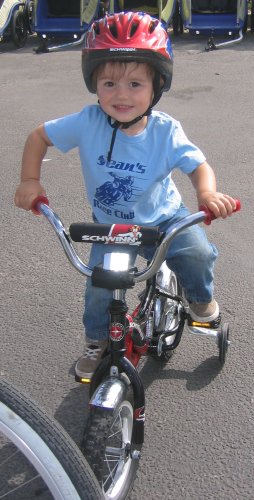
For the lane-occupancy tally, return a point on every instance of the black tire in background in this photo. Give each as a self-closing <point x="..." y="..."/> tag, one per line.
<point x="19" y="28"/>
<point x="28" y="13"/>
<point x="23" y="413"/>
<point x="177" y="22"/>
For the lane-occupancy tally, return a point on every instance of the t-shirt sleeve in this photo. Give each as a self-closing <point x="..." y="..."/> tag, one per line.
<point x="64" y="132"/>
<point x="187" y="156"/>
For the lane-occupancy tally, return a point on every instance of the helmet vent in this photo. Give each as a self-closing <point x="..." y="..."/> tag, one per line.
<point x="133" y="29"/>
<point x="152" y="26"/>
<point x="113" y="30"/>
<point x="96" y="28"/>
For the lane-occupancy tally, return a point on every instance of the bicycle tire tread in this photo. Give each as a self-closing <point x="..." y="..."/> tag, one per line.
<point x="94" y="444"/>
<point x="94" y="439"/>
<point x="55" y="437"/>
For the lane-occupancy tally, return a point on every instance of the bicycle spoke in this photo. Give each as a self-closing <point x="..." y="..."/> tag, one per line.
<point x="9" y="458"/>
<point x="14" y="490"/>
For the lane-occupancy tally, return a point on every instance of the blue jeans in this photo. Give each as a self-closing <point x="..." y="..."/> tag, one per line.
<point x="190" y="256"/>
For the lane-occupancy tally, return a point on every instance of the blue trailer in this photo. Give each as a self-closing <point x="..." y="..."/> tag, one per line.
<point x="163" y="9"/>
<point x="62" y="21"/>
<point x="215" y="18"/>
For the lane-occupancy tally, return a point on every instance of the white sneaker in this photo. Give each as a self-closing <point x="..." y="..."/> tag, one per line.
<point x="88" y="362"/>
<point x="204" y="313"/>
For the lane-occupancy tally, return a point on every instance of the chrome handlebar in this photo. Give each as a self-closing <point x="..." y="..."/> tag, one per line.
<point x="138" y="276"/>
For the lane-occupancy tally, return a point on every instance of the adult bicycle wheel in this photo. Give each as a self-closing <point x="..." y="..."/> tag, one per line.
<point x="107" y="446"/>
<point x="37" y="457"/>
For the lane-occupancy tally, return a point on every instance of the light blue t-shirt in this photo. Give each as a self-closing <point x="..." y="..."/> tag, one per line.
<point x="136" y="185"/>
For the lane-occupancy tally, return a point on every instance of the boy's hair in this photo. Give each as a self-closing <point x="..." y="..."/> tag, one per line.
<point x="118" y="69"/>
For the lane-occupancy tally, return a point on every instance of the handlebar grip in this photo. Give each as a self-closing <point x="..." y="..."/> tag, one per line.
<point x="210" y="215"/>
<point x="39" y="199"/>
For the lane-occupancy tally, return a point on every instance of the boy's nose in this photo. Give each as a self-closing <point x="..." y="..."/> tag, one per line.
<point x="122" y="90"/>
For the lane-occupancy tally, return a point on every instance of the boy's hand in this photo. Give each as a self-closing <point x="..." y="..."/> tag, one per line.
<point x="27" y="192"/>
<point x="222" y="205"/>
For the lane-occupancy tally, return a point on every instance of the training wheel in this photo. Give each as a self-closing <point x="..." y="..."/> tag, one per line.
<point x="223" y="342"/>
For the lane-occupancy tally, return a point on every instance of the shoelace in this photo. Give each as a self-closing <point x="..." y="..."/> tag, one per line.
<point x="92" y="352"/>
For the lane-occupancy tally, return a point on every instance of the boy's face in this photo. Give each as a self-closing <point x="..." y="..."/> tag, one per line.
<point x="125" y="91"/>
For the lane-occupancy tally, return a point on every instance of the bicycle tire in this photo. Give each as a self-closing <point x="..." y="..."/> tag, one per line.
<point x="43" y="447"/>
<point x="100" y="446"/>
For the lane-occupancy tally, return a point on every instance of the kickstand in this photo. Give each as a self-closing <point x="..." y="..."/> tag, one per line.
<point x="210" y="45"/>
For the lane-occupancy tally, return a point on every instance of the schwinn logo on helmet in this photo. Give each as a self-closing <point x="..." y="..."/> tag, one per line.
<point x="122" y="49"/>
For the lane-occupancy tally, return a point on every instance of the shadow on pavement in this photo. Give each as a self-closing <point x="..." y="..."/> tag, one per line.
<point x="73" y="411"/>
<point x="202" y="376"/>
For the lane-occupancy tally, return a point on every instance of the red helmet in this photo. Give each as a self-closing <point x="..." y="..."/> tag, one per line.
<point x="128" y="37"/>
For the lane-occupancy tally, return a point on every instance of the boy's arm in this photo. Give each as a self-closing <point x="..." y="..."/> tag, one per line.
<point x="204" y="181"/>
<point x="30" y="187"/>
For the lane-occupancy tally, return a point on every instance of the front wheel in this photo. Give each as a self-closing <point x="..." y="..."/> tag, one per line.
<point x="107" y="445"/>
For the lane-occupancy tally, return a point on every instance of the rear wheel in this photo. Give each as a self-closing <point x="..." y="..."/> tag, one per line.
<point x="168" y="313"/>
<point x="107" y="445"/>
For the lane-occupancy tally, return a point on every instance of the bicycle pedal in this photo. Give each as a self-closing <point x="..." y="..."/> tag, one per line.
<point x="82" y="380"/>
<point x="210" y="325"/>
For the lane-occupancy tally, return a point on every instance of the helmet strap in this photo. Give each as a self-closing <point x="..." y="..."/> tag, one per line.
<point x="116" y="125"/>
<point x="157" y="88"/>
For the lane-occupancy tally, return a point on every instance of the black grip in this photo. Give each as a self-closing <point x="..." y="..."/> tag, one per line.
<point x="119" y="234"/>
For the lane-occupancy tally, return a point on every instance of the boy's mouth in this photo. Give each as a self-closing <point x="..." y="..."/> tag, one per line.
<point x="121" y="108"/>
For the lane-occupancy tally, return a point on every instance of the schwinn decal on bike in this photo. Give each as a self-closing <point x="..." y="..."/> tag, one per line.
<point x="116" y="331"/>
<point x="118" y="234"/>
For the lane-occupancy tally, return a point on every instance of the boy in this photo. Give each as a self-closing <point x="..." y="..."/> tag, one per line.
<point x="127" y="153"/>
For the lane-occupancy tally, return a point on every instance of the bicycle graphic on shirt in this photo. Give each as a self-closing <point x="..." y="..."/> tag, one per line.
<point x="112" y="191"/>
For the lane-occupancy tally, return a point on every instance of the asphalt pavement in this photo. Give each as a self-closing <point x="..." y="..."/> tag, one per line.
<point x="199" y="437"/>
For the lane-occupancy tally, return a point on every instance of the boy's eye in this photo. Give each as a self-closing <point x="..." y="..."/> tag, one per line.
<point x="134" y="84"/>
<point x="109" y="83"/>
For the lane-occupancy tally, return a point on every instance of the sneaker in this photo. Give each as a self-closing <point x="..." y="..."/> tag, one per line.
<point x="207" y="315"/>
<point x="91" y="358"/>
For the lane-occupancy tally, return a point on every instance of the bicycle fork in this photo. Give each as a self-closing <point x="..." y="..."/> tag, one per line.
<point x="116" y="375"/>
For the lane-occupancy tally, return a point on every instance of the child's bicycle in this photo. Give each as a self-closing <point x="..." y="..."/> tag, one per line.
<point x="114" y="431"/>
